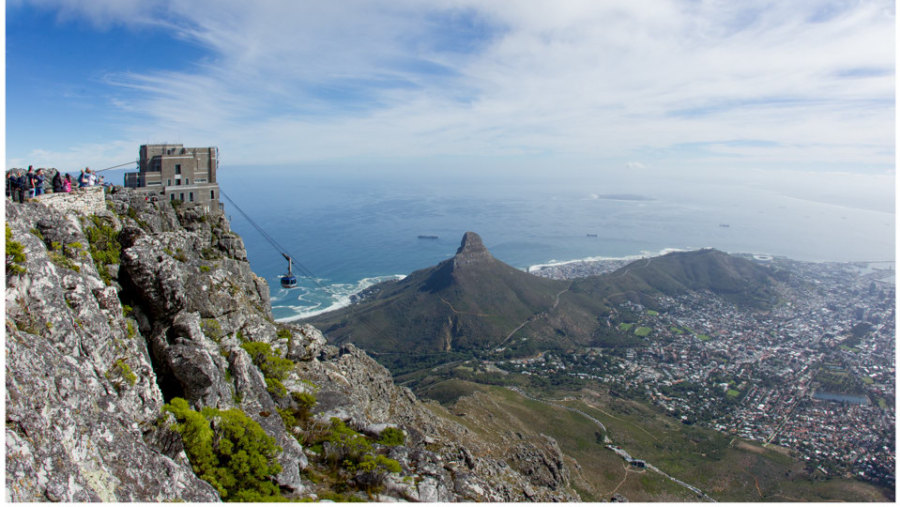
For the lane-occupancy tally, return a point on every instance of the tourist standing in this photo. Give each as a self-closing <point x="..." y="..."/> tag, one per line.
<point x="67" y="184"/>
<point x="20" y="185"/>
<point x="82" y="179"/>
<point x="39" y="182"/>
<point x="29" y="182"/>
<point x="11" y="185"/>
<point x="57" y="182"/>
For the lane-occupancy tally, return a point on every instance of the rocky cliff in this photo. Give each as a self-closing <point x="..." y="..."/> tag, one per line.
<point x="116" y="312"/>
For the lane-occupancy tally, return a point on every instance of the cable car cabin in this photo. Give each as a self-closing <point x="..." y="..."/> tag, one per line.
<point x="289" y="281"/>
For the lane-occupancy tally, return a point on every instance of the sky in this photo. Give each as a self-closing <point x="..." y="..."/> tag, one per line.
<point x="693" y="88"/>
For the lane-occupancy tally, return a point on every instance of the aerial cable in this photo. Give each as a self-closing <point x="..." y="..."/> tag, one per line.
<point x="303" y="269"/>
<point x="283" y="251"/>
<point x="116" y="166"/>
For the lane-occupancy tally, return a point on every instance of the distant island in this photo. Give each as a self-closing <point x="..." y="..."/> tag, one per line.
<point x="622" y="197"/>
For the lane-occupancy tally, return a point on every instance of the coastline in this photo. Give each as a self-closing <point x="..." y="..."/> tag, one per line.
<point x="316" y="300"/>
<point x="323" y="299"/>
<point x="595" y="265"/>
<point x="340" y="296"/>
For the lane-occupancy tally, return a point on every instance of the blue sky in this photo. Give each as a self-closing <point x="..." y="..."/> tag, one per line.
<point x="667" y="86"/>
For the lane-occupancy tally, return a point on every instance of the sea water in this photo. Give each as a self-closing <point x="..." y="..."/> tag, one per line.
<point x="347" y="232"/>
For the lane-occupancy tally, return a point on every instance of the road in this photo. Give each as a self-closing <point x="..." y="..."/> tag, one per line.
<point x="533" y="318"/>
<point x="618" y="450"/>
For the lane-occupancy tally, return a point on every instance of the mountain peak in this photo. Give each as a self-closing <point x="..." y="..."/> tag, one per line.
<point x="471" y="249"/>
<point x="471" y="242"/>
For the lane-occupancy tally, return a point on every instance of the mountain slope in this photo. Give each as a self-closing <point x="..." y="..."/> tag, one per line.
<point x="469" y="301"/>
<point x="476" y="303"/>
<point x="734" y="278"/>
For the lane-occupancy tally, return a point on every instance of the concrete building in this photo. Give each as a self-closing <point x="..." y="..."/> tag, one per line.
<point x="174" y="172"/>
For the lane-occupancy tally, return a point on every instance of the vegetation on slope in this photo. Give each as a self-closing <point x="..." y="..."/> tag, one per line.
<point x="230" y="451"/>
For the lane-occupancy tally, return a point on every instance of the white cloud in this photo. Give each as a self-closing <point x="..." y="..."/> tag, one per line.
<point x="297" y="81"/>
<point x="635" y="165"/>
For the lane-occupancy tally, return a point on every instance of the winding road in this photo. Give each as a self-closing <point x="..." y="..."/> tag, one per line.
<point x="623" y="453"/>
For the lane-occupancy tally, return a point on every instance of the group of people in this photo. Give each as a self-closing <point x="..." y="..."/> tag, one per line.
<point x="21" y="185"/>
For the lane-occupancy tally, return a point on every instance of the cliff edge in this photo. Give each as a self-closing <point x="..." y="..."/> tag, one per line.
<point x="116" y="313"/>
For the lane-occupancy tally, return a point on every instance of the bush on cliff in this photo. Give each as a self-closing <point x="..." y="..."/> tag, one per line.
<point x="274" y="368"/>
<point x="15" y="255"/>
<point x="105" y="246"/>
<point x="230" y="451"/>
<point x="350" y="453"/>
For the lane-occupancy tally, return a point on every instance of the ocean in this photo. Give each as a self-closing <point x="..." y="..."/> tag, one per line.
<point x="351" y="231"/>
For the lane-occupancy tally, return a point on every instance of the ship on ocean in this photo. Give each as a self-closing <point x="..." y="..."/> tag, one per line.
<point x="427" y="236"/>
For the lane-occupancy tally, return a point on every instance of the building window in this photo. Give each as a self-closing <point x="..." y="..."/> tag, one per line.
<point x="169" y="182"/>
<point x="182" y="196"/>
<point x="187" y="181"/>
<point x="212" y="194"/>
<point x="191" y="196"/>
<point x="172" y="196"/>
<point x="177" y="168"/>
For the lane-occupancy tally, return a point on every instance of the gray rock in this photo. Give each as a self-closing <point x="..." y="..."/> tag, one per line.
<point x="85" y="384"/>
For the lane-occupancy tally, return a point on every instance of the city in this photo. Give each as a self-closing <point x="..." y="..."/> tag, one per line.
<point x="815" y="374"/>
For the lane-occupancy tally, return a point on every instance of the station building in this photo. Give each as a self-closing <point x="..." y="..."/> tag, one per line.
<point x="173" y="172"/>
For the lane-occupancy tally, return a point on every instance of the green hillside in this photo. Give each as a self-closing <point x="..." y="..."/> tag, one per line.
<point x="474" y="304"/>
<point x="724" y="468"/>
<point x="469" y="302"/>
<point x="736" y="279"/>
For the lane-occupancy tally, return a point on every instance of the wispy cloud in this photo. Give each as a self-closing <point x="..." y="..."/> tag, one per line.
<point x="288" y="81"/>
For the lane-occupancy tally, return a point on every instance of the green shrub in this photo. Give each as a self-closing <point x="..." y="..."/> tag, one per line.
<point x="132" y="213"/>
<point x="284" y="334"/>
<point x="379" y="464"/>
<point x="392" y="436"/>
<point x="299" y="411"/>
<point x="104" y="243"/>
<point x="230" y="451"/>
<point x="274" y="368"/>
<point x="210" y="253"/>
<point x="268" y="363"/>
<point x="63" y="261"/>
<point x="121" y="370"/>
<point x="305" y="402"/>
<point x="15" y="255"/>
<point x="212" y="329"/>
<point x="37" y="232"/>
<point x="204" y="269"/>
<point x="348" y="447"/>
<point x="275" y="387"/>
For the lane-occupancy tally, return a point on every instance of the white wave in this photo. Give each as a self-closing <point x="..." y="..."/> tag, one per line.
<point x="643" y="255"/>
<point x="332" y="297"/>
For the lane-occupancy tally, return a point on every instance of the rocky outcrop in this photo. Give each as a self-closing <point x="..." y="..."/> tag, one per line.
<point x="101" y="334"/>
<point x="80" y="390"/>
<point x="471" y="250"/>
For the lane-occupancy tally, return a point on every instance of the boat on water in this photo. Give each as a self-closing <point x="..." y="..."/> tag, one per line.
<point x="591" y="235"/>
<point x="427" y="236"/>
<point x="724" y="225"/>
